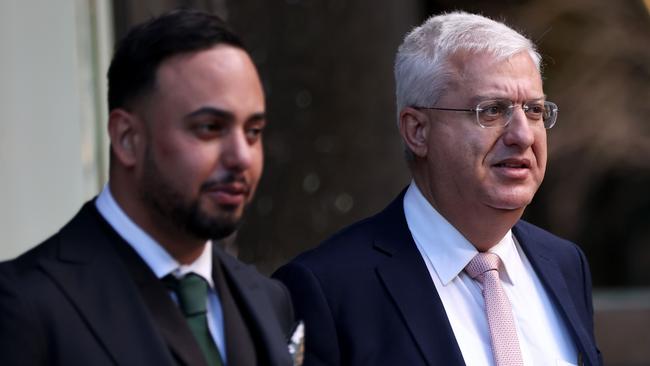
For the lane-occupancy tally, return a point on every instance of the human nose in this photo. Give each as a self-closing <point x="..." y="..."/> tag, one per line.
<point x="519" y="130"/>
<point x="237" y="153"/>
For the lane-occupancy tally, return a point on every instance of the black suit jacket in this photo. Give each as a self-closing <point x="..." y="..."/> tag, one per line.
<point x="83" y="297"/>
<point x="367" y="298"/>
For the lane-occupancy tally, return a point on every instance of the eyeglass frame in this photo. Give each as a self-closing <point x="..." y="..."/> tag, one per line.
<point x="511" y="107"/>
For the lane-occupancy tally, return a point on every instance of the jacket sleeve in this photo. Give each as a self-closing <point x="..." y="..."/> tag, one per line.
<point x="311" y="306"/>
<point x="281" y="300"/>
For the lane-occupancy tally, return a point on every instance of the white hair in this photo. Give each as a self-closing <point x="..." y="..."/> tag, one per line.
<point x="422" y="65"/>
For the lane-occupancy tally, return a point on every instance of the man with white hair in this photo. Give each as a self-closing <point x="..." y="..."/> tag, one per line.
<point x="448" y="273"/>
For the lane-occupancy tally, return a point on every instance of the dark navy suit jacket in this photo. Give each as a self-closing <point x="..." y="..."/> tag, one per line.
<point x="80" y="298"/>
<point x="367" y="298"/>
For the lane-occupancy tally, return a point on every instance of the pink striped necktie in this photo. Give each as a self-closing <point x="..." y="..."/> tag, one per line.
<point x="484" y="267"/>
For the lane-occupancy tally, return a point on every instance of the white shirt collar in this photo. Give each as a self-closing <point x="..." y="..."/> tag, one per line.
<point x="447" y="249"/>
<point x="156" y="257"/>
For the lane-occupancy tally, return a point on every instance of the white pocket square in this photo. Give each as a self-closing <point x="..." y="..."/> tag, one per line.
<point x="297" y="344"/>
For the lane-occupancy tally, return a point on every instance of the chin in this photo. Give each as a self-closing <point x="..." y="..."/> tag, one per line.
<point x="509" y="208"/>
<point x="509" y="198"/>
<point x="509" y="203"/>
<point x="224" y="216"/>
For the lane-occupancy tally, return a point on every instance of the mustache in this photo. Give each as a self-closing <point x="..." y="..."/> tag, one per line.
<point x="229" y="181"/>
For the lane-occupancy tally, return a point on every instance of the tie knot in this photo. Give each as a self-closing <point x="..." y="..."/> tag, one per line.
<point x="191" y="291"/>
<point x="482" y="263"/>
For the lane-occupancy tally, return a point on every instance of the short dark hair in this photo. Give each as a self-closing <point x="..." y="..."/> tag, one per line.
<point x="137" y="56"/>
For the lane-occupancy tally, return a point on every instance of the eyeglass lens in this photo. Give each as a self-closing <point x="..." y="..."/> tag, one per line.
<point x="492" y="113"/>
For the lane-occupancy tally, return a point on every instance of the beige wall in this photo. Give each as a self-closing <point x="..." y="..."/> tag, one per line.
<point x="52" y="154"/>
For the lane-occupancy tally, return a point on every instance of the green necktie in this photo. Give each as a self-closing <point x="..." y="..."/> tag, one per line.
<point x="192" y="293"/>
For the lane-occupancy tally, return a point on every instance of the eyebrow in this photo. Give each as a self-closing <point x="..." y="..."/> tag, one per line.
<point x="480" y="98"/>
<point x="211" y="111"/>
<point x="222" y="114"/>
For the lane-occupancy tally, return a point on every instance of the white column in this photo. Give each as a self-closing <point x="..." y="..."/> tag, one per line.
<point x="53" y="57"/>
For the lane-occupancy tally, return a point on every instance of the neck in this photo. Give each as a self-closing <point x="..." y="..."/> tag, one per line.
<point x="481" y="225"/>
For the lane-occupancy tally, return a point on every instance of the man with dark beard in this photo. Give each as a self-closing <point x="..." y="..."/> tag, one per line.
<point x="133" y="278"/>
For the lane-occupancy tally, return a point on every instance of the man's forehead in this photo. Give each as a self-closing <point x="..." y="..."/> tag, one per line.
<point x="468" y="68"/>
<point x="464" y="60"/>
<point x="181" y="62"/>
<point x="199" y="81"/>
<point x="218" y="66"/>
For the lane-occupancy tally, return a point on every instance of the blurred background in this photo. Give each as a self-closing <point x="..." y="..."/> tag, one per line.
<point x="333" y="154"/>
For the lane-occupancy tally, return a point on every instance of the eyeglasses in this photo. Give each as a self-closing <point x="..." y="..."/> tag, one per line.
<point x="498" y="112"/>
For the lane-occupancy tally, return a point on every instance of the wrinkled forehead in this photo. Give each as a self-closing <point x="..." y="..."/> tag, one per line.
<point x="463" y="60"/>
<point x="468" y="70"/>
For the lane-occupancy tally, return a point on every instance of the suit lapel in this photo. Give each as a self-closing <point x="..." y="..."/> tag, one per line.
<point x="257" y="309"/>
<point x="96" y="282"/>
<point x="165" y="313"/>
<point x="409" y="283"/>
<point x="240" y="347"/>
<point x="551" y="276"/>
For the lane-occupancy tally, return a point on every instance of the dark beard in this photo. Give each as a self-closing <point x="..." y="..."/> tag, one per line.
<point x="201" y="225"/>
<point x="187" y="216"/>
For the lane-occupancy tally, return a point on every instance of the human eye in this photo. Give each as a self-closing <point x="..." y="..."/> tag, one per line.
<point x="254" y="131"/>
<point x="208" y="128"/>
<point x="535" y="110"/>
<point x="492" y="110"/>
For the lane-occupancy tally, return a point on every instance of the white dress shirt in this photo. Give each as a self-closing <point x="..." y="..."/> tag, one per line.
<point x="543" y="336"/>
<point x="162" y="264"/>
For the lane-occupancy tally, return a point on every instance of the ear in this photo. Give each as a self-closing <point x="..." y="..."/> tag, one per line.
<point x="124" y="130"/>
<point x="414" y="128"/>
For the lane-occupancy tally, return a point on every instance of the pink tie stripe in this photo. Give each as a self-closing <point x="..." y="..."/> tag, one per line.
<point x="484" y="267"/>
